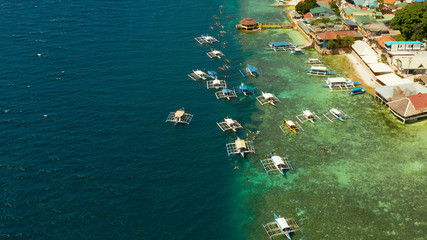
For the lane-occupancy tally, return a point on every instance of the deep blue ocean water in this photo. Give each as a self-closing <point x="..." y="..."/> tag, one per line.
<point x="85" y="153"/>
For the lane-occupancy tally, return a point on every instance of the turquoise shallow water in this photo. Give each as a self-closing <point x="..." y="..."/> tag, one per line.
<point x="370" y="182"/>
<point x="86" y="87"/>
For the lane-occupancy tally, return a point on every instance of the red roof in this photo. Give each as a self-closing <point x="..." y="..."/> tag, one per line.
<point x="419" y="101"/>
<point x="333" y="35"/>
<point x="248" y="21"/>
<point x="385" y="38"/>
<point x="308" y="15"/>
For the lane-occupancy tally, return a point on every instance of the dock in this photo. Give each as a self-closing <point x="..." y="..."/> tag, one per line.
<point x="262" y="26"/>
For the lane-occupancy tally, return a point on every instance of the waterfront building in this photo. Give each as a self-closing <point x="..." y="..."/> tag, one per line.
<point x="404" y="46"/>
<point x="322" y="38"/>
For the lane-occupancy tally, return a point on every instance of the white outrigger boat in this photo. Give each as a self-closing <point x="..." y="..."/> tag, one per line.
<point x="314" y="61"/>
<point x="335" y="113"/>
<point x="229" y="124"/>
<point x="206" y="39"/>
<point x="226" y="93"/>
<point x="276" y="163"/>
<point x="179" y="116"/>
<point x="319" y="71"/>
<point x="281" y="226"/>
<point x="297" y="51"/>
<point x="216" y="84"/>
<point x="339" y="84"/>
<point x="198" y="74"/>
<point x="240" y="146"/>
<point x="215" y="54"/>
<point x="308" y="115"/>
<point x="266" y="98"/>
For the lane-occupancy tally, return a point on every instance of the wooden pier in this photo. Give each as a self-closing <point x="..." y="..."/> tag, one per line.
<point x="274" y="26"/>
<point x="262" y="26"/>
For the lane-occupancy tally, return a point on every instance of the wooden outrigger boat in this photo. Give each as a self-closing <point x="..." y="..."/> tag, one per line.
<point x="283" y="46"/>
<point x="215" y="54"/>
<point x="243" y="88"/>
<point x="266" y="98"/>
<point x="216" y="84"/>
<point x="276" y="163"/>
<point x="229" y="124"/>
<point x="179" y="116"/>
<point x="335" y="113"/>
<point x="290" y="125"/>
<point x="198" y="74"/>
<point x="226" y="93"/>
<point x="240" y="146"/>
<point x="308" y="115"/>
<point x="281" y="226"/>
<point x="206" y="39"/>
<point x="314" y="61"/>
<point x="319" y="71"/>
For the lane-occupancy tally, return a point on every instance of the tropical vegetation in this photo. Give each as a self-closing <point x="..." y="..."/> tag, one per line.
<point x="411" y="21"/>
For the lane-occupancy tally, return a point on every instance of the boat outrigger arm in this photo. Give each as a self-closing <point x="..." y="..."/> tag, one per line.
<point x="281" y="226"/>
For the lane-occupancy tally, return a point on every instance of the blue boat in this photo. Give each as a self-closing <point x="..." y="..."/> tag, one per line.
<point x="251" y="70"/>
<point x="358" y="90"/>
<point x="213" y="74"/>
<point x="281" y="46"/>
<point x="243" y="88"/>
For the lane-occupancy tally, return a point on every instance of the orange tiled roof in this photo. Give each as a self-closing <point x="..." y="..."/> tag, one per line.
<point x="308" y="15"/>
<point x="419" y="101"/>
<point x="384" y="39"/>
<point x="333" y="35"/>
<point x="389" y="2"/>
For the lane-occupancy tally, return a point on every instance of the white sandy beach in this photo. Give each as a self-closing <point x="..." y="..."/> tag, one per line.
<point x="362" y="72"/>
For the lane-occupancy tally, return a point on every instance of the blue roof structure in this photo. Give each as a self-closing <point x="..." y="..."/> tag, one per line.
<point x="226" y="91"/>
<point x="244" y="87"/>
<point x="419" y="1"/>
<point x="349" y="23"/>
<point x="252" y="69"/>
<point x="373" y="4"/>
<point x="388" y="44"/>
<point x="358" y="89"/>
<point x="280" y="44"/>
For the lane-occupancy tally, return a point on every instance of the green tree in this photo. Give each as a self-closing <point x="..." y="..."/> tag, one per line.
<point x="335" y="7"/>
<point x="332" y="44"/>
<point x="400" y="37"/>
<point x="347" y="41"/>
<point x="411" y="21"/>
<point x="305" y="6"/>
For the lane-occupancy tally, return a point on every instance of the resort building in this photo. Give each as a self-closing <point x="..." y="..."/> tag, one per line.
<point x="320" y="12"/>
<point x="395" y="46"/>
<point x="383" y="39"/>
<point x="248" y="24"/>
<point x="396" y="92"/>
<point x="375" y="29"/>
<point x="411" y="64"/>
<point x="322" y="38"/>
<point x="411" y="108"/>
